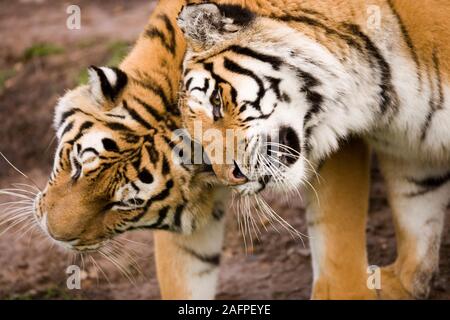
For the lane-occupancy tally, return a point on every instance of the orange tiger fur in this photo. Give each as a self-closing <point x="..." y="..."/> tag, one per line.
<point x="77" y="215"/>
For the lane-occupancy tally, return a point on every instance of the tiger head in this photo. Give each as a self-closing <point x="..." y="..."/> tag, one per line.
<point x="114" y="167"/>
<point x="236" y="84"/>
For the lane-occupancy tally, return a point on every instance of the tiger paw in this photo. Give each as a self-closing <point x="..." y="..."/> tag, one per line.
<point x="391" y="286"/>
<point x="330" y="290"/>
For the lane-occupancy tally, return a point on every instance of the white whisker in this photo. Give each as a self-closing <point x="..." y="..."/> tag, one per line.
<point x="17" y="170"/>
<point x="33" y="194"/>
<point x="7" y="193"/>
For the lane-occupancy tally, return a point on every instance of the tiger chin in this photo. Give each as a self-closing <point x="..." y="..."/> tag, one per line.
<point x="312" y="75"/>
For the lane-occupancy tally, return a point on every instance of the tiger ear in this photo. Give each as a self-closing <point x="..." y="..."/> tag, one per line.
<point x="106" y="84"/>
<point x="207" y="24"/>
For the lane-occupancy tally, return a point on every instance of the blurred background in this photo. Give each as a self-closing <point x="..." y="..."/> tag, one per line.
<point x="39" y="59"/>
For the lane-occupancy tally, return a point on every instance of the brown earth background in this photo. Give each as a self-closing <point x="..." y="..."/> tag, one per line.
<point x="39" y="59"/>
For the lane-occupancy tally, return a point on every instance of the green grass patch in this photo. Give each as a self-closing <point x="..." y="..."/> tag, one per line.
<point x="55" y="293"/>
<point x="25" y="296"/>
<point x="117" y="52"/>
<point x="83" y="77"/>
<point x="41" y="50"/>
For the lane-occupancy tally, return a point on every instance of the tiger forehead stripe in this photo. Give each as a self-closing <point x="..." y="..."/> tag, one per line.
<point x="67" y="128"/>
<point x="204" y="89"/>
<point x="274" y="61"/>
<point x="236" y="68"/>
<point x="117" y="126"/>
<point x="84" y="126"/>
<point x="66" y="115"/>
<point x="75" y="111"/>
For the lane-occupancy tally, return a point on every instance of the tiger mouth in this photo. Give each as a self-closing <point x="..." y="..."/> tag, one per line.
<point x="253" y="187"/>
<point x="76" y="246"/>
<point x="283" y="151"/>
<point x="71" y="244"/>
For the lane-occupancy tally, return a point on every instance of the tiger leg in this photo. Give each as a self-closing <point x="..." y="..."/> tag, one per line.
<point x="418" y="196"/>
<point x="337" y="225"/>
<point x="188" y="265"/>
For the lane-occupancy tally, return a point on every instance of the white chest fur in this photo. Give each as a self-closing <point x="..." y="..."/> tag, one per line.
<point x="420" y="128"/>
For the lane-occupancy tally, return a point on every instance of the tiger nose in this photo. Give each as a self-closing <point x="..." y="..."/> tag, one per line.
<point x="236" y="176"/>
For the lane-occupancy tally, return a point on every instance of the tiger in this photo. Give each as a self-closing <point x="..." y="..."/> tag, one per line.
<point x="115" y="167"/>
<point x="115" y="170"/>
<point x="295" y="81"/>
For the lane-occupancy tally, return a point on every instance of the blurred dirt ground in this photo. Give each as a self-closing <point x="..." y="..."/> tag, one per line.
<point x="39" y="59"/>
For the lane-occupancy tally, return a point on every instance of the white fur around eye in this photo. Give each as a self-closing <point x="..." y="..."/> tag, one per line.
<point x="196" y="104"/>
<point x="146" y="191"/>
<point x="94" y="140"/>
<point x="88" y="157"/>
<point x="91" y="165"/>
<point x="89" y="161"/>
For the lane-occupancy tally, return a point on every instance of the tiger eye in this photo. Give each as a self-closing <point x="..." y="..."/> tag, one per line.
<point x="216" y="100"/>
